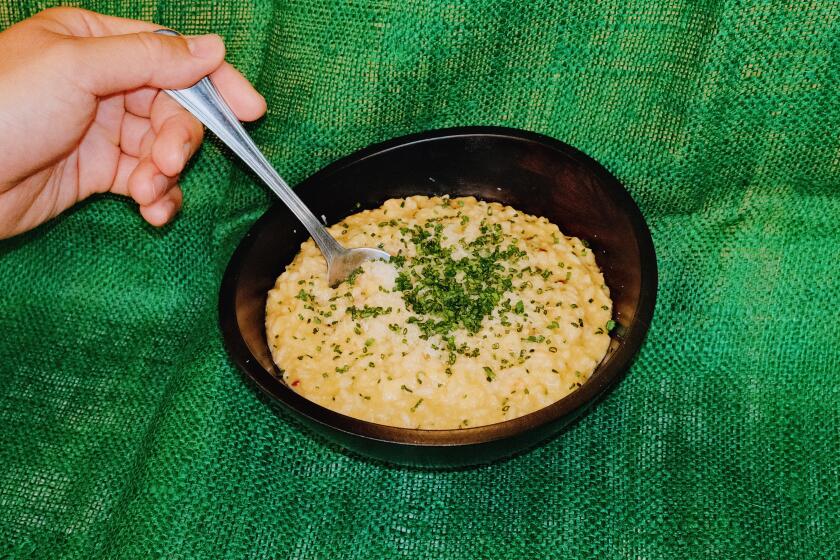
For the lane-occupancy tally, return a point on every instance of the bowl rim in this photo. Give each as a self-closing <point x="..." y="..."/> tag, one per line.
<point x="603" y="379"/>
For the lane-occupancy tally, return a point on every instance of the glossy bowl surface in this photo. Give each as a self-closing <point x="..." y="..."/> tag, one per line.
<point x="530" y="172"/>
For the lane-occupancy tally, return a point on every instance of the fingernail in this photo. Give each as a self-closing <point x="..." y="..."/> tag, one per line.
<point x="186" y="149"/>
<point x="204" y="46"/>
<point x="167" y="211"/>
<point x="159" y="181"/>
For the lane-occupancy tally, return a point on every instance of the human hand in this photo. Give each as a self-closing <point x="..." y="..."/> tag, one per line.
<point x="82" y="112"/>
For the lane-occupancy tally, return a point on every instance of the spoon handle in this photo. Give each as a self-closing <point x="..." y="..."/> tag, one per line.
<point x="206" y="104"/>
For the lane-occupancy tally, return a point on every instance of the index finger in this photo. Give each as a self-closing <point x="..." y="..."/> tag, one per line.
<point x="237" y="91"/>
<point x="84" y="23"/>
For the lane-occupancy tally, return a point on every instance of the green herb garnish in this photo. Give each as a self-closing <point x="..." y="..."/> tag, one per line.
<point x="445" y="293"/>
<point x="351" y="278"/>
<point x="367" y="311"/>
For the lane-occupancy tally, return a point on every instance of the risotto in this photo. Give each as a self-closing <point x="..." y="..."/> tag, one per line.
<point x="483" y="314"/>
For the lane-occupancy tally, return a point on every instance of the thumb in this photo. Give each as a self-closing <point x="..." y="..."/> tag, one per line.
<point x="122" y="62"/>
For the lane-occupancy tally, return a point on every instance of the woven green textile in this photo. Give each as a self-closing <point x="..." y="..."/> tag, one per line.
<point x="126" y="432"/>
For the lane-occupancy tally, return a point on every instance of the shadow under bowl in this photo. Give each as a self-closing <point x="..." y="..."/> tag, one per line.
<point x="530" y="172"/>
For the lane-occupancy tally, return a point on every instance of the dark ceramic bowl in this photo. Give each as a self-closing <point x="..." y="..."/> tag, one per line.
<point x="532" y="173"/>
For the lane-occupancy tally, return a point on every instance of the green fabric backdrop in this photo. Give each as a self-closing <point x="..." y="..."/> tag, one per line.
<point x="126" y="432"/>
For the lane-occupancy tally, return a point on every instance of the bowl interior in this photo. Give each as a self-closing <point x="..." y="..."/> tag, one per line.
<point x="532" y="173"/>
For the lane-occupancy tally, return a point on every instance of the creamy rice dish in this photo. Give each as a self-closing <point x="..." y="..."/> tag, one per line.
<point x="482" y="315"/>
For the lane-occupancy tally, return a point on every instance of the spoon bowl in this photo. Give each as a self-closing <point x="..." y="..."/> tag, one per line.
<point x="343" y="264"/>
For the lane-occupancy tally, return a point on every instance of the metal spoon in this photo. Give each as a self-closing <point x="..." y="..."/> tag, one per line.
<point x="206" y="104"/>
